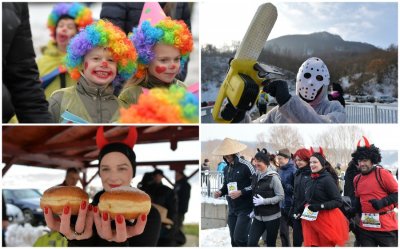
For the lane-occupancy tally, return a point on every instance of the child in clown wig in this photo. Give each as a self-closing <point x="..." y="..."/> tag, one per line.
<point x="162" y="51"/>
<point x="96" y="57"/>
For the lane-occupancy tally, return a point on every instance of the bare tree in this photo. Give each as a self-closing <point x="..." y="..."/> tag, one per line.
<point x="285" y="137"/>
<point x="261" y="140"/>
<point x="339" y="142"/>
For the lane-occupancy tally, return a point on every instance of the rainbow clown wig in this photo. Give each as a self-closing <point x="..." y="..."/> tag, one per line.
<point x="167" y="31"/>
<point x="162" y="105"/>
<point x="102" y="34"/>
<point x="81" y="14"/>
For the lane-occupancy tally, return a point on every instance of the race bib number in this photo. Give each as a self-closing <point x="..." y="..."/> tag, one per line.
<point x="309" y="215"/>
<point x="370" y="220"/>
<point x="232" y="186"/>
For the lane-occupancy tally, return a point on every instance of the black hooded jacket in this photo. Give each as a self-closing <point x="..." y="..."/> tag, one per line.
<point x="23" y="94"/>
<point x="240" y="171"/>
<point x="301" y="179"/>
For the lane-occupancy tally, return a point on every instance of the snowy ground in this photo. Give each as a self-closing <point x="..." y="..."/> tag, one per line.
<point x="215" y="237"/>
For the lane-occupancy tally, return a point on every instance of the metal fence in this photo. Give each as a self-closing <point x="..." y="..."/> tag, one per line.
<point x="364" y="114"/>
<point x="211" y="181"/>
<point x="371" y="113"/>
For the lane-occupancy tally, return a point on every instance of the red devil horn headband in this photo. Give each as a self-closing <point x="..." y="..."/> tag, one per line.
<point x="320" y="151"/>
<point x="130" y="140"/>
<point x="365" y="141"/>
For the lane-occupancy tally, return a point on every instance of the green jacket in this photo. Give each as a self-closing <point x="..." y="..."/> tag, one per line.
<point x="51" y="59"/>
<point x="130" y="95"/>
<point x="91" y="103"/>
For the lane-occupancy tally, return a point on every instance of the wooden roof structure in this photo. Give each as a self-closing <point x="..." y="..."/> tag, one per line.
<point x="66" y="146"/>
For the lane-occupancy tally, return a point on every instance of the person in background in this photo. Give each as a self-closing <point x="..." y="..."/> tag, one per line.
<point x="182" y="191"/>
<point x="21" y="92"/>
<point x="71" y="177"/>
<point x="262" y="102"/>
<point x="237" y="189"/>
<point x="336" y="93"/>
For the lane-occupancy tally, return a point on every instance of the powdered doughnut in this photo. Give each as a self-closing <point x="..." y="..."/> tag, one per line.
<point x="127" y="201"/>
<point x="59" y="196"/>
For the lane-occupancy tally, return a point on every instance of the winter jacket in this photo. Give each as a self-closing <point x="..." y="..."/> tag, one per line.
<point x="130" y="95"/>
<point x="351" y="172"/>
<point x="240" y="171"/>
<point x="126" y="15"/>
<point x="51" y="59"/>
<point x="296" y="110"/>
<point x="149" y="237"/>
<point x="268" y="185"/>
<point x="367" y="188"/>
<point x="20" y="72"/>
<point x="91" y="103"/>
<point x="182" y="191"/>
<point x="323" y="190"/>
<point x="301" y="179"/>
<point x="286" y="174"/>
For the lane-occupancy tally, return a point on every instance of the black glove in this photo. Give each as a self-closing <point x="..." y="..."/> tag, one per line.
<point x="229" y="112"/>
<point x="278" y="89"/>
<point x="314" y="207"/>
<point x="378" y="204"/>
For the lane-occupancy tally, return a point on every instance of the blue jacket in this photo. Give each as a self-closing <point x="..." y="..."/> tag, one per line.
<point x="287" y="173"/>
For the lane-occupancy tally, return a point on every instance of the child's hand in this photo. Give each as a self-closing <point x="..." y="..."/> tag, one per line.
<point x="122" y="232"/>
<point x="83" y="226"/>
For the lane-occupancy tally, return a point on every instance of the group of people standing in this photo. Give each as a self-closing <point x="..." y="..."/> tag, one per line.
<point x="301" y="190"/>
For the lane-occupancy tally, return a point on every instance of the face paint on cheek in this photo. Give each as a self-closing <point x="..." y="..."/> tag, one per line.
<point x="86" y="66"/>
<point x="160" y="69"/>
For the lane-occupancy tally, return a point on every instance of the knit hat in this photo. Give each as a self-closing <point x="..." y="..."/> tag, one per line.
<point x="229" y="147"/>
<point x="102" y="34"/>
<point x="367" y="152"/>
<point x="284" y="152"/>
<point x="125" y="147"/>
<point x="81" y="15"/>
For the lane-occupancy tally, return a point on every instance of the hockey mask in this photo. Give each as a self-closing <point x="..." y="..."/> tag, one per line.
<point x="311" y="77"/>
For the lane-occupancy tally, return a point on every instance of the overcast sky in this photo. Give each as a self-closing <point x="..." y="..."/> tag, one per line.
<point x="383" y="136"/>
<point x="375" y="23"/>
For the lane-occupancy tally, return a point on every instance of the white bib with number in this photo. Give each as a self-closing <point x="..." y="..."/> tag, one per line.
<point x="309" y="215"/>
<point x="232" y="186"/>
<point x="370" y="220"/>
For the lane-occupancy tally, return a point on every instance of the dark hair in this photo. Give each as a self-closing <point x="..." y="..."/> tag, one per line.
<point x="373" y="153"/>
<point x="73" y="170"/>
<point x="326" y="166"/>
<point x="262" y="155"/>
<point x="62" y="18"/>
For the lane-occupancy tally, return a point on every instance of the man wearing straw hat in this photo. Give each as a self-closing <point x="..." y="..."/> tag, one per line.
<point x="237" y="188"/>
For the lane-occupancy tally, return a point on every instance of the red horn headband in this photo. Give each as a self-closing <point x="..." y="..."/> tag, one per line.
<point x="365" y="141"/>
<point x="320" y="151"/>
<point x="130" y="140"/>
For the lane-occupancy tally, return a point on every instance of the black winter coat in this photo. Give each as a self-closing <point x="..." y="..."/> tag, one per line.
<point x="351" y="172"/>
<point x="148" y="238"/>
<point x="323" y="190"/>
<point x="126" y="15"/>
<point x="182" y="192"/>
<point x="301" y="179"/>
<point x="20" y="72"/>
<point x="241" y="172"/>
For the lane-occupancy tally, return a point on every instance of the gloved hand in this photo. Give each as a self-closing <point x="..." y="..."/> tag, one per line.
<point x="378" y="204"/>
<point x="258" y="200"/>
<point x="229" y="112"/>
<point x="314" y="207"/>
<point x="278" y="89"/>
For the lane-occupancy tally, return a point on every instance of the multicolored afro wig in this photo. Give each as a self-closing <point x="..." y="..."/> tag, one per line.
<point x="81" y="15"/>
<point x="102" y="34"/>
<point x="367" y="152"/>
<point x="162" y="105"/>
<point x="167" y="31"/>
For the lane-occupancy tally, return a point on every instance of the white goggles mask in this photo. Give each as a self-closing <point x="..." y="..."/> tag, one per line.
<point x="312" y="76"/>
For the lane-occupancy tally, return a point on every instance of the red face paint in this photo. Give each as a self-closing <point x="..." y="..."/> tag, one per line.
<point x="104" y="64"/>
<point x="160" y="69"/>
<point x="86" y="65"/>
<point x="173" y="66"/>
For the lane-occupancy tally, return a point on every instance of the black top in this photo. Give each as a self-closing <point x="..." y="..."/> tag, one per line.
<point x="182" y="190"/>
<point x="351" y="172"/>
<point x="301" y="179"/>
<point x="21" y="84"/>
<point x="263" y="188"/>
<point x="323" y="190"/>
<point x="149" y="237"/>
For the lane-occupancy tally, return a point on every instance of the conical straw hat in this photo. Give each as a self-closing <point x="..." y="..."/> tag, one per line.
<point x="229" y="147"/>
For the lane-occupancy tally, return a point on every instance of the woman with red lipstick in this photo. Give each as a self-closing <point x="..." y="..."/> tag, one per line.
<point x="322" y="221"/>
<point x="98" y="56"/>
<point x="117" y="166"/>
<point x="163" y="48"/>
<point x="65" y="21"/>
